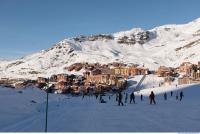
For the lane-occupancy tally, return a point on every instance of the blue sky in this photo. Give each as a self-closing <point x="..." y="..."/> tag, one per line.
<point x="27" y="26"/>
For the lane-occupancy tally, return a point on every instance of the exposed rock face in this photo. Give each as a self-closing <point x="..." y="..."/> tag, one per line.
<point x="167" y="45"/>
<point x="137" y="37"/>
<point x="15" y="64"/>
<point x="127" y="40"/>
<point x="140" y="38"/>
<point x="93" y="38"/>
<point x="189" y="45"/>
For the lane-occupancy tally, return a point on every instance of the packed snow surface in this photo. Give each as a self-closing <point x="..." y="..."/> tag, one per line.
<point x="25" y="112"/>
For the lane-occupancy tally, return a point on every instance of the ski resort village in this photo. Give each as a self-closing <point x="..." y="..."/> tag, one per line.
<point x="99" y="78"/>
<point x="91" y="102"/>
<point x="70" y="71"/>
<point x="106" y="98"/>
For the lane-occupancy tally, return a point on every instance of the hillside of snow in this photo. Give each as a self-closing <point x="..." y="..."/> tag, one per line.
<point x="168" y="45"/>
<point x="25" y="112"/>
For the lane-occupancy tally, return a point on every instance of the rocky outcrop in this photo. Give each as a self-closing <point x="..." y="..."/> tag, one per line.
<point x="93" y="38"/>
<point x="15" y="64"/>
<point x="140" y="37"/>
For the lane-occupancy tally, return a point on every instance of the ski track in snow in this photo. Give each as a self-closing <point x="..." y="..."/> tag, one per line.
<point x="72" y="114"/>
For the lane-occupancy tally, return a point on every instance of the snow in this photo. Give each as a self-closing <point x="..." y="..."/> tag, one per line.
<point x="149" y="81"/>
<point x="159" y="50"/>
<point x="25" y="112"/>
<point x="74" y="114"/>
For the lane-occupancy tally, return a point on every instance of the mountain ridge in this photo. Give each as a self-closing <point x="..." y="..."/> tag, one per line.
<point x="168" y="45"/>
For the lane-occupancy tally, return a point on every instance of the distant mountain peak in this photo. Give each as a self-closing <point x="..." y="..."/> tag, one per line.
<point x="168" y="45"/>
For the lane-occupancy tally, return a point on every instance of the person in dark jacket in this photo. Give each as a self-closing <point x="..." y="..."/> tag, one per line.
<point x="100" y="98"/>
<point x="141" y="97"/>
<point x="117" y="97"/>
<point x="120" y="99"/>
<point x="177" y="96"/>
<point x="165" y="96"/>
<point x="181" y="95"/>
<point x="171" y="93"/>
<point x="96" y="95"/>
<point x="152" y="98"/>
<point x="126" y="98"/>
<point x="83" y="96"/>
<point x="132" y="98"/>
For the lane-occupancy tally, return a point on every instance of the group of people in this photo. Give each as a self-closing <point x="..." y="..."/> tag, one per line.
<point x="178" y="97"/>
<point x="119" y="97"/>
<point x="131" y="97"/>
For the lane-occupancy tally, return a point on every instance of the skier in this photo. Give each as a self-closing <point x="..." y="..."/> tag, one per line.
<point x="126" y="98"/>
<point x="171" y="93"/>
<point x="181" y="95"/>
<point x="96" y="96"/>
<point x="83" y="96"/>
<point x="117" y="97"/>
<point x="165" y="96"/>
<point x="177" y="96"/>
<point x="141" y="97"/>
<point x="120" y="99"/>
<point x="132" y="98"/>
<point x="100" y="98"/>
<point x="152" y="98"/>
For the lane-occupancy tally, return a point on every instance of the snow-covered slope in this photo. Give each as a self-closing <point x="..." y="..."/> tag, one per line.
<point x="167" y="45"/>
<point x="25" y="112"/>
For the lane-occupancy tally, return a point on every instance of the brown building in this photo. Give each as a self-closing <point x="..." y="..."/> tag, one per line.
<point x="184" y="80"/>
<point x="186" y="67"/>
<point x="164" y="71"/>
<point x="100" y="78"/>
<point x="187" y="80"/>
<point x="76" y="89"/>
<point x="93" y="72"/>
<point x="198" y="64"/>
<point x="196" y="75"/>
<point x="124" y="71"/>
<point x="61" y="85"/>
<point x="104" y="81"/>
<point x="42" y="80"/>
<point x="137" y="71"/>
<point x="96" y="72"/>
<point x="191" y="73"/>
<point x="62" y="77"/>
<point x="130" y="71"/>
<point x="120" y="83"/>
<point x="53" y="78"/>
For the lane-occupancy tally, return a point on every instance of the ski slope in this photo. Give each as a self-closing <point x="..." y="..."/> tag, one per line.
<point x="74" y="114"/>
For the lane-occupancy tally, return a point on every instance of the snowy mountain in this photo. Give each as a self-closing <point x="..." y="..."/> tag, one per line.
<point x="168" y="45"/>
